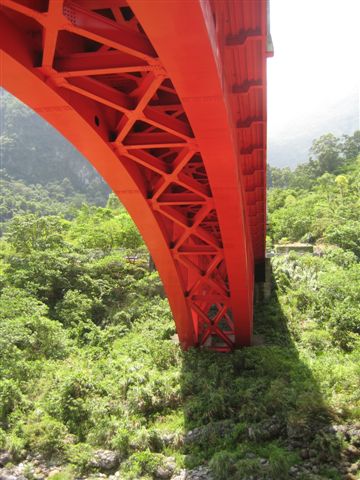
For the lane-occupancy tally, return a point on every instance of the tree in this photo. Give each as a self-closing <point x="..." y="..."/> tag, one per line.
<point x="346" y="236"/>
<point x="351" y="145"/>
<point x="113" y="202"/>
<point x="327" y="150"/>
<point x="279" y="177"/>
<point x="343" y="183"/>
<point x="31" y="232"/>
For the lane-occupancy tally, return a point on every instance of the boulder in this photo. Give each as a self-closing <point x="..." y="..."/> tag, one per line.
<point x="105" y="460"/>
<point x="5" y="457"/>
<point x="165" y="471"/>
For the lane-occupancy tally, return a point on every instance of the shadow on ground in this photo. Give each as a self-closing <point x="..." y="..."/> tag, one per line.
<point x="258" y="412"/>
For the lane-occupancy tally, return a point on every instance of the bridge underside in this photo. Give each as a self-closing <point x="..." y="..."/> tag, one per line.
<point x="168" y="101"/>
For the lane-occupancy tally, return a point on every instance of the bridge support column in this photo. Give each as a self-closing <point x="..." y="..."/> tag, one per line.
<point x="263" y="282"/>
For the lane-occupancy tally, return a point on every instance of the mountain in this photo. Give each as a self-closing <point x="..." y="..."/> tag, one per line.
<point x="34" y="152"/>
<point x="290" y="146"/>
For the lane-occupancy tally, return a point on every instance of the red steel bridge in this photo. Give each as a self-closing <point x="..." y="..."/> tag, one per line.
<point x="167" y="99"/>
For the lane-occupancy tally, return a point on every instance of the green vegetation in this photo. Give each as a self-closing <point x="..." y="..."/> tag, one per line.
<point x="33" y="152"/>
<point x="88" y="361"/>
<point x="57" y="198"/>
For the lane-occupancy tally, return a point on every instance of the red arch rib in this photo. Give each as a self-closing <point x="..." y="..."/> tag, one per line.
<point x="139" y="88"/>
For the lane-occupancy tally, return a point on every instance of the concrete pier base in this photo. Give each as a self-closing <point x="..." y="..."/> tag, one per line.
<point x="263" y="287"/>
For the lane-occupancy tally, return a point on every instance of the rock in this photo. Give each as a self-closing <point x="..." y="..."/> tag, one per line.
<point x="5" y="457"/>
<point x="251" y="434"/>
<point x="350" y="476"/>
<point x="6" y="474"/>
<point x="105" y="460"/>
<point x="39" y="476"/>
<point x="353" y="434"/>
<point x="11" y="474"/>
<point x="350" y="432"/>
<point x="199" y="473"/>
<point x="354" y="468"/>
<point x="352" y="452"/>
<point x="180" y="476"/>
<point x="163" y="473"/>
<point x="298" y="434"/>
<point x="166" y="470"/>
<point x="293" y="470"/>
<point x="270" y="429"/>
<point x="250" y="455"/>
<point x="167" y="439"/>
<point x="53" y="472"/>
<point x="313" y="453"/>
<point x="202" y="434"/>
<point x="304" y="454"/>
<point x="22" y="471"/>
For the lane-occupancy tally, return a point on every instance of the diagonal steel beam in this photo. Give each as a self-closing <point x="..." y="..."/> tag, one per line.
<point x="105" y="31"/>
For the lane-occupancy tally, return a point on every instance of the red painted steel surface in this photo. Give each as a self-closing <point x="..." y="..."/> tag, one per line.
<point x="167" y="99"/>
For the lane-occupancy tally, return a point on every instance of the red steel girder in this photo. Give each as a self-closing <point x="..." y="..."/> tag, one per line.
<point x="139" y="88"/>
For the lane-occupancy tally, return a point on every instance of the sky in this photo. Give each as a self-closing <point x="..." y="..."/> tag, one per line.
<point x="316" y="63"/>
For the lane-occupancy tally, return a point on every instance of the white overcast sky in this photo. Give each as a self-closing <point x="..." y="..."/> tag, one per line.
<point x="316" y="61"/>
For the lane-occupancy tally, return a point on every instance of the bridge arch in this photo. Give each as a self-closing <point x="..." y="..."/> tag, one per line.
<point x="167" y="100"/>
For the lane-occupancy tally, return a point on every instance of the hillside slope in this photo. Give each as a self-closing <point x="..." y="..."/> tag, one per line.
<point x="93" y="383"/>
<point x="34" y="153"/>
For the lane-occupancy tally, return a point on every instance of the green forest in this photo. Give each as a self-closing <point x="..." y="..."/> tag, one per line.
<point x="93" y="383"/>
<point x="34" y="153"/>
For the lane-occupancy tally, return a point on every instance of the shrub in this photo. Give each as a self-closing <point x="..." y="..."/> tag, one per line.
<point x="65" y="474"/>
<point x="140" y="464"/>
<point x="346" y="236"/>
<point x="317" y="340"/>
<point x="79" y="454"/>
<point x="121" y="442"/>
<point x="45" y="435"/>
<point x="223" y="465"/>
<point x="249" y="467"/>
<point x="2" y="439"/>
<point x="10" y="397"/>
<point x="279" y="464"/>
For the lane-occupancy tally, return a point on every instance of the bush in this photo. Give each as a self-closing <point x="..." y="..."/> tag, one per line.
<point x="279" y="464"/>
<point x="249" y="467"/>
<point x="2" y="439"/>
<point x="79" y="455"/>
<point x="45" y="435"/>
<point x="65" y="474"/>
<point x="121" y="442"/>
<point x="317" y="340"/>
<point x="223" y="465"/>
<point x="10" y="397"/>
<point x="346" y="236"/>
<point x="140" y="464"/>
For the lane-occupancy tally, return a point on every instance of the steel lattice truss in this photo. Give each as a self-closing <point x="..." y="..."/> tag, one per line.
<point x="97" y="54"/>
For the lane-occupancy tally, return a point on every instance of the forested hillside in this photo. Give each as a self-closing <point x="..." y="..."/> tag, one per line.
<point x="93" y="383"/>
<point x="34" y="153"/>
<point x="19" y="197"/>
